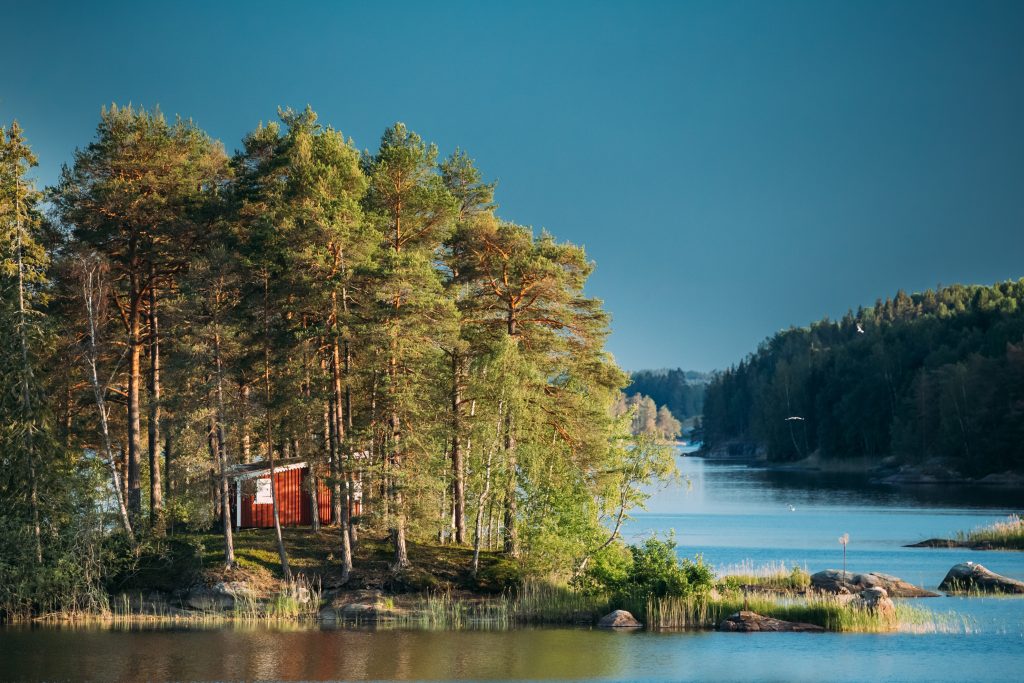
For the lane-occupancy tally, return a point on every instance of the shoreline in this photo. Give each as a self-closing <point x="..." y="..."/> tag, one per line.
<point x="885" y="471"/>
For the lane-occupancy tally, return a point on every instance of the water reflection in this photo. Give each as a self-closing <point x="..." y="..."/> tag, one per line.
<point x="306" y="654"/>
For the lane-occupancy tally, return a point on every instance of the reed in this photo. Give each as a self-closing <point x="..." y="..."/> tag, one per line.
<point x="1007" y="533"/>
<point x="533" y="602"/>
<point x="774" y="575"/>
<point x="827" y="611"/>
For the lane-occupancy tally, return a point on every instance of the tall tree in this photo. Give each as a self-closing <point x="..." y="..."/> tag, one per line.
<point x="324" y="190"/>
<point x="475" y="206"/>
<point x="133" y="194"/>
<point x="530" y="290"/>
<point x="25" y="429"/>
<point x="415" y="211"/>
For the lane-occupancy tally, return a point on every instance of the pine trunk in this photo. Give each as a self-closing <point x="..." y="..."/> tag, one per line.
<point x="243" y="426"/>
<point x="225" y="491"/>
<point x="458" y="457"/>
<point x="285" y="570"/>
<point x="134" y="429"/>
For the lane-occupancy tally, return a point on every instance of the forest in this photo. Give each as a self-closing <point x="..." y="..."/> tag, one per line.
<point x="169" y="310"/>
<point x="931" y="377"/>
<point x="647" y="418"/>
<point x="681" y="391"/>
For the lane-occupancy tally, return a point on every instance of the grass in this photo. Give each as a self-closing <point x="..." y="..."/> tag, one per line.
<point x="1007" y="534"/>
<point x="827" y="611"/>
<point x="300" y="600"/>
<point x="188" y="559"/>
<point x="773" y="576"/>
<point x="539" y="602"/>
<point x="533" y="602"/>
<point x="441" y="592"/>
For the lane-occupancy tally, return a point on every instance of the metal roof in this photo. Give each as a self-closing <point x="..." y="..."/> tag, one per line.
<point x="261" y="468"/>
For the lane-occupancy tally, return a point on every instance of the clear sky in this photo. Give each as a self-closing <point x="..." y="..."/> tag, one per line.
<point x="733" y="168"/>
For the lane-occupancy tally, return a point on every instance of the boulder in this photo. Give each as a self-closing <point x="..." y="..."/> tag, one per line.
<point x="215" y="599"/>
<point x="875" y="600"/>
<point x="746" y="621"/>
<point x="620" y="618"/>
<point x="968" y="576"/>
<point x="835" y="581"/>
<point x="362" y="606"/>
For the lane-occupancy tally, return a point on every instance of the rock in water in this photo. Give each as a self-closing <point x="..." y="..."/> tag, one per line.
<point x="876" y="600"/>
<point x="968" y="576"/>
<point x="835" y="581"/>
<point x="746" y="621"/>
<point x="213" y="599"/>
<point x="620" y="618"/>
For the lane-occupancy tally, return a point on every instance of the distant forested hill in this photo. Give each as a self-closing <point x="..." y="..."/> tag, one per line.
<point x="937" y="375"/>
<point x="681" y="390"/>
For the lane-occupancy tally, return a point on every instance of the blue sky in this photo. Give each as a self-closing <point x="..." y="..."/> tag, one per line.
<point x="734" y="168"/>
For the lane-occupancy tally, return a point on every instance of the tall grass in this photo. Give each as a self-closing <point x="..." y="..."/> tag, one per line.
<point x="533" y="602"/>
<point x="1008" y="533"/>
<point x="773" y="575"/>
<point x="546" y="602"/>
<point x="300" y="600"/>
<point x="827" y="611"/>
<point x="543" y="602"/>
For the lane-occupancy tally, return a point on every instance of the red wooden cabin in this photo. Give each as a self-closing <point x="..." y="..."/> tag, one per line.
<point x="251" y="503"/>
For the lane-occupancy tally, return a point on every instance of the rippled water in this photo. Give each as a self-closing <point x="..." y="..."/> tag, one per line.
<point x="729" y="513"/>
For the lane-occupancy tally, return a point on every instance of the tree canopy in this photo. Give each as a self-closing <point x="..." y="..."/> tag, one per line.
<point x="369" y="313"/>
<point x="929" y="376"/>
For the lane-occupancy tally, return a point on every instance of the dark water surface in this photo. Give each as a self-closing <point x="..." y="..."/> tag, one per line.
<point x="731" y="514"/>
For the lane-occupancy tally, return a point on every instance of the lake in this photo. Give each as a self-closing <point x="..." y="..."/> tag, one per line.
<point x="729" y="513"/>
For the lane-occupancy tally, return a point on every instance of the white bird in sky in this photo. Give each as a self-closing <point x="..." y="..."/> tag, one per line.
<point x="860" y="330"/>
<point x="794" y="417"/>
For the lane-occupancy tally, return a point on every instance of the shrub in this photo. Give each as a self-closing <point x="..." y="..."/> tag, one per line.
<point x="650" y="570"/>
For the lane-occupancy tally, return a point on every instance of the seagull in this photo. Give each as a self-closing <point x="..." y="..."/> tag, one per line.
<point x="860" y="330"/>
<point x="795" y="417"/>
<point x="792" y="509"/>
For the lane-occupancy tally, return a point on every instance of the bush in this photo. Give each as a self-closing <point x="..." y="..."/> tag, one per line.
<point x="652" y="569"/>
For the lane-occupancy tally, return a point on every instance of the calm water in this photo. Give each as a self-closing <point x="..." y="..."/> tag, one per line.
<point x="729" y="513"/>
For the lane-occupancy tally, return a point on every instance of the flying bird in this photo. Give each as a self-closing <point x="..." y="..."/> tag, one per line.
<point x="794" y="417"/>
<point x="860" y="330"/>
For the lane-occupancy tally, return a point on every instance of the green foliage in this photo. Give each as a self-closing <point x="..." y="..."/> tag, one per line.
<point x="827" y="611"/>
<point x="300" y="300"/>
<point x="650" y="570"/>
<point x="681" y="391"/>
<point x="932" y="376"/>
<point x="1008" y="534"/>
<point x="772" y="576"/>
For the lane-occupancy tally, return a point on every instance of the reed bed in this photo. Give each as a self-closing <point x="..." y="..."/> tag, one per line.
<point x="774" y="575"/>
<point x="534" y="602"/>
<point x="1008" y="533"/>
<point x="300" y="600"/>
<point x="827" y="611"/>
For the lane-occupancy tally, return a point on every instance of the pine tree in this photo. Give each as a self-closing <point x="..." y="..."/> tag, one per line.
<point x="135" y="195"/>
<point x="26" y="435"/>
<point x="408" y="199"/>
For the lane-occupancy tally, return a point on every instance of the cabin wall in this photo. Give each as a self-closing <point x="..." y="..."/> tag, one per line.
<point x="293" y="499"/>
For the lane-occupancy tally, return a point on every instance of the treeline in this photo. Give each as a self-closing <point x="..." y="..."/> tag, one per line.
<point x="176" y="310"/>
<point x="681" y="390"/>
<point x="936" y="375"/>
<point x="646" y="417"/>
